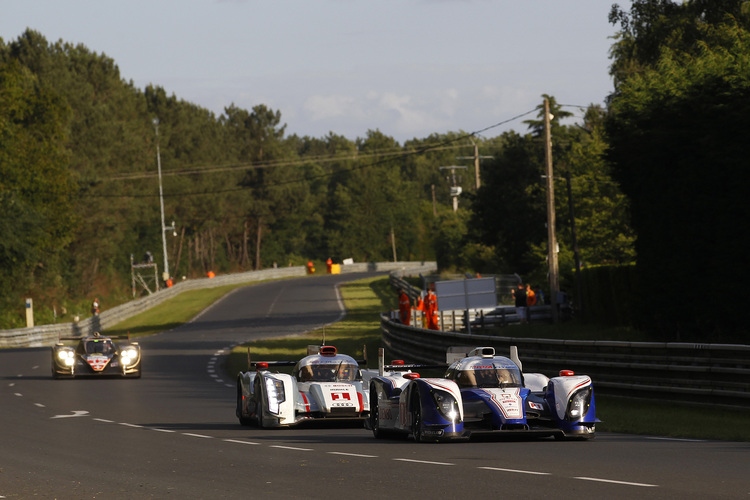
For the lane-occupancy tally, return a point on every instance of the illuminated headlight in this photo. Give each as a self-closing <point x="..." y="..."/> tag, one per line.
<point x="128" y="356"/>
<point x="275" y="394"/>
<point x="67" y="357"/>
<point x="578" y="405"/>
<point x="446" y="404"/>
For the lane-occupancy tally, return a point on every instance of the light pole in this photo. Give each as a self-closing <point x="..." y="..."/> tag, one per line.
<point x="165" y="274"/>
<point x="554" y="283"/>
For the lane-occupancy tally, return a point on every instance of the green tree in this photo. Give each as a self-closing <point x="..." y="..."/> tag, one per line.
<point x="673" y="130"/>
<point x="35" y="186"/>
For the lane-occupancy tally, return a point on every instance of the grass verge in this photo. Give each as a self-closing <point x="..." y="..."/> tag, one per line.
<point x="366" y="299"/>
<point x="359" y="330"/>
<point x="171" y="313"/>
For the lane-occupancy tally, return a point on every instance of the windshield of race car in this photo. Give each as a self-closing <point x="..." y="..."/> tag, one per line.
<point x="327" y="372"/>
<point x="487" y="376"/>
<point x="99" y="347"/>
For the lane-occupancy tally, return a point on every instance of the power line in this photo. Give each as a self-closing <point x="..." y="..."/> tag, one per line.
<point x="391" y="156"/>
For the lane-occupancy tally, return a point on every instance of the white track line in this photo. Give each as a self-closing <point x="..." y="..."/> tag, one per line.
<point x="420" y="461"/>
<point x="197" y="435"/>
<point x="351" y="454"/>
<point x="516" y="470"/>
<point x="626" y="483"/>
<point x="241" y="442"/>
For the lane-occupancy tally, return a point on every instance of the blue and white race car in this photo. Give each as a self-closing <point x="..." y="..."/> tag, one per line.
<point x="427" y="408"/>
<point x="481" y="393"/>
<point x="323" y="385"/>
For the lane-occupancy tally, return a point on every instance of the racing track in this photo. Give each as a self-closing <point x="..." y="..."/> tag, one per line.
<point x="173" y="433"/>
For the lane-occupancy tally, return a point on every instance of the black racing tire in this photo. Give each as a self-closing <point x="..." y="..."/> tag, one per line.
<point x="375" y="415"/>
<point x="244" y="420"/>
<point x="259" y="413"/>
<point x="416" y="418"/>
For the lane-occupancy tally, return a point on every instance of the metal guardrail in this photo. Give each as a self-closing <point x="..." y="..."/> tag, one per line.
<point x="46" y="335"/>
<point x="698" y="373"/>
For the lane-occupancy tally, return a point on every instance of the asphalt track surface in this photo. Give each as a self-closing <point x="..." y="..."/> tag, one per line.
<point x="173" y="433"/>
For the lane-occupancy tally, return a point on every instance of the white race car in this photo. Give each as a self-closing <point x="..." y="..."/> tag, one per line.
<point x="480" y="393"/>
<point x="323" y="385"/>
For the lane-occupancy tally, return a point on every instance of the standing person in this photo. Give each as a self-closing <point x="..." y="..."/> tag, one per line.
<point x="404" y="307"/>
<point x="95" y="306"/>
<point x="539" y="296"/>
<point x="329" y="265"/>
<point x="431" y="309"/>
<point x="530" y="296"/>
<point x="420" y="307"/>
<point x="520" y="296"/>
<point x="530" y="301"/>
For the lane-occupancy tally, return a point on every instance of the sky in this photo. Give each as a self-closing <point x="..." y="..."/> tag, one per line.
<point x="408" y="68"/>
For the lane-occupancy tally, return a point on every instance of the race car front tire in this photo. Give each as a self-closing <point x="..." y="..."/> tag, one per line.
<point x="243" y="419"/>
<point x="416" y="416"/>
<point x="375" y="415"/>
<point x="259" y="413"/>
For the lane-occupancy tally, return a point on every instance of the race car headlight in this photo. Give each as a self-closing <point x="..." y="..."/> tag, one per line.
<point x="446" y="404"/>
<point x="578" y="405"/>
<point x="275" y="394"/>
<point x="67" y="357"/>
<point x="129" y="356"/>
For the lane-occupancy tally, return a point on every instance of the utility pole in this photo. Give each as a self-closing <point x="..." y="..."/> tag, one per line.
<point x="554" y="280"/>
<point x="476" y="159"/>
<point x="455" y="188"/>
<point x="165" y="275"/>
<point x="393" y="244"/>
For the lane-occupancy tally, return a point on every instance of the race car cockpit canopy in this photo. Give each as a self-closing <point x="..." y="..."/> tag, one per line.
<point x="480" y="372"/>
<point x="326" y="368"/>
<point x="99" y="346"/>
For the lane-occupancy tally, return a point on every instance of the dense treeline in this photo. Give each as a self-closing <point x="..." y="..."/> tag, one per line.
<point x="79" y="184"/>
<point x="79" y="187"/>
<point x="678" y="126"/>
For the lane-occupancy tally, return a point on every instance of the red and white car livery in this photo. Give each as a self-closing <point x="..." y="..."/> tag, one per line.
<point x="96" y="355"/>
<point x="323" y="385"/>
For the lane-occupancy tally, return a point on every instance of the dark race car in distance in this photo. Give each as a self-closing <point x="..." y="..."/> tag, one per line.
<point x="96" y="355"/>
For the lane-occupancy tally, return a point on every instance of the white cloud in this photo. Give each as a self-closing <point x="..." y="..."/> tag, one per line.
<point x="321" y="108"/>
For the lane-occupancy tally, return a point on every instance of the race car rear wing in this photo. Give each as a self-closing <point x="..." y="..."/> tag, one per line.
<point x="96" y="334"/>
<point x="455" y="353"/>
<point x="400" y="366"/>
<point x="311" y="350"/>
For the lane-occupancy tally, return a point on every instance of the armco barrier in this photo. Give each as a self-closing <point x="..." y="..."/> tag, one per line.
<point x="698" y="373"/>
<point x="46" y="335"/>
